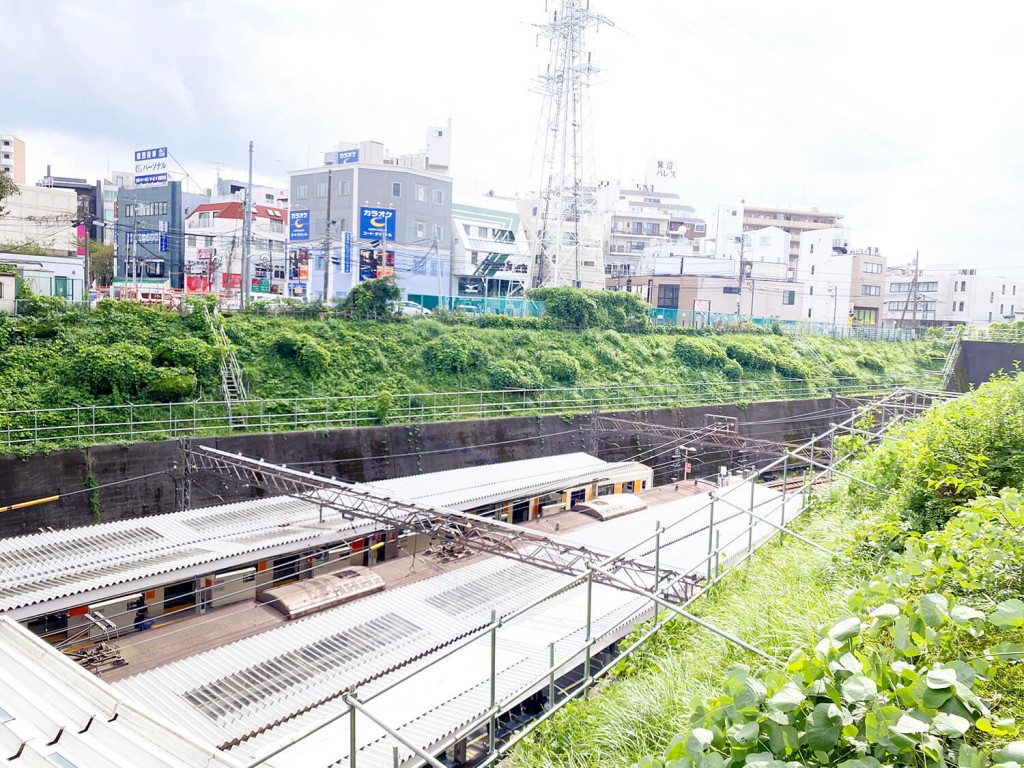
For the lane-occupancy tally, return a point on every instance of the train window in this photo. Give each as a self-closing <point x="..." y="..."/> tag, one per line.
<point x="643" y="484"/>
<point x="606" y="490"/>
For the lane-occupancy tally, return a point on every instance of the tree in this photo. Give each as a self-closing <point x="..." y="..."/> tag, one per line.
<point x="101" y="262"/>
<point x="373" y="299"/>
<point x="7" y="189"/>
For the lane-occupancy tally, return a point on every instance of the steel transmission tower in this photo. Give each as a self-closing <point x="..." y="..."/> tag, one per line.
<point x="566" y="226"/>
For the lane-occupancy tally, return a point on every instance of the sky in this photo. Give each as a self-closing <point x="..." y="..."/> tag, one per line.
<point x="906" y="117"/>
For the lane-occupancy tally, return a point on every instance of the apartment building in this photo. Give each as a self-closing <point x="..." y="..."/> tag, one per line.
<point x="949" y="295"/>
<point x="490" y="253"/>
<point x="12" y="157"/>
<point x="42" y="217"/>
<point x="792" y="220"/>
<point x="842" y="285"/>
<point x="639" y="218"/>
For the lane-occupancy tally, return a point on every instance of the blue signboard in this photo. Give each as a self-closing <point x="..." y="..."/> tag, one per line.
<point x="348" y="252"/>
<point x="298" y="225"/>
<point x="374" y="222"/>
<point x="150" y="178"/>
<point x="343" y="157"/>
<point x="163" y="243"/>
<point x="150" y="154"/>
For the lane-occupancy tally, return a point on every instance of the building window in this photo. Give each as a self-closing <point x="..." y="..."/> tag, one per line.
<point x="873" y="268"/>
<point x="698" y="228"/>
<point x="1004" y="289"/>
<point x="652" y="229"/>
<point x="992" y="297"/>
<point x="990" y="317"/>
<point x="1001" y="310"/>
<point x="808" y="314"/>
<point x="668" y="297"/>
<point x="963" y="285"/>
<point x="954" y="307"/>
<point x="437" y="233"/>
<point x="129" y="211"/>
<point x="322" y="189"/>
<point x="870" y="290"/>
<point x="766" y="240"/>
<point x="421" y="193"/>
<point x="301" y="191"/>
<point x="190" y="241"/>
<point x="396" y="189"/>
<point x="962" y="307"/>
<point x="438" y="197"/>
<point x="812" y="266"/>
<point x="865" y="315"/>
<point x="789" y="297"/>
<point x="345" y="187"/>
<point x="208" y="241"/>
<point x="421" y="230"/>
<point x="812" y="251"/>
<point x="811" y="291"/>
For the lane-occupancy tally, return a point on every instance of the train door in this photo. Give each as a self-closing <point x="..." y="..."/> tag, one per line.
<point x="179" y="596"/>
<point x="577" y="496"/>
<point x="286" y="569"/>
<point x="521" y="511"/>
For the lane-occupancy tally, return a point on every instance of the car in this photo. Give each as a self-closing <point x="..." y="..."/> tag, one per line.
<point x="412" y="309"/>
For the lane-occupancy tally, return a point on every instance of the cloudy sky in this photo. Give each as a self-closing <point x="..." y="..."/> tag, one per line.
<point x="907" y="117"/>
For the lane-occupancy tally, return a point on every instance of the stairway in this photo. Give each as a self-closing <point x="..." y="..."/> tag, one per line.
<point x="949" y="368"/>
<point x="231" y="383"/>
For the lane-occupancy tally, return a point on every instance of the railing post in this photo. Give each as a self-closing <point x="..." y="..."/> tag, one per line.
<point x="351" y="736"/>
<point x="491" y="731"/>
<point x="718" y="555"/>
<point x="590" y="605"/>
<point x="785" y="487"/>
<point x="711" y="536"/>
<point x="657" y="565"/>
<point x="750" y="527"/>
<point x="551" y="676"/>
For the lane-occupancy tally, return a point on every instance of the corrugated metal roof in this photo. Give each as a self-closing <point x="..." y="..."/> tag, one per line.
<point x="470" y="487"/>
<point x="253" y="694"/>
<point x="59" y="569"/>
<point x="61" y="565"/>
<point x="51" y="708"/>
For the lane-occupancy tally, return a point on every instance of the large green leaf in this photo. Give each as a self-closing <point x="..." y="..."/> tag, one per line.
<point x="1014" y="751"/>
<point x="788" y="697"/>
<point x="1009" y="614"/>
<point x="1007" y="651"/>
<point x="950" y="725"/>
<point x="823" y="727"/>
<point x="743" y="734"/>
<point x="940" y="678"/>
<point x="859" y="688"/>
<point x="934" y="610"/>
<point x="845" y="629"/>
<point x="698" y="740"/>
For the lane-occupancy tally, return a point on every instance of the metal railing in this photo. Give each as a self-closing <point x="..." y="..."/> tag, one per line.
<point x="1013" y="334"/>
<point x="93" y="424"/>
<point x="578" y="649"/>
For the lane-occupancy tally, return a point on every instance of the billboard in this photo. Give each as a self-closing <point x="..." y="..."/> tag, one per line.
<point x="372" y="266"/>
<point x="343" y="157"/>
<point x="298" y="225"/>
<point x="150" y="166"/>
<point x="375" y="222"/>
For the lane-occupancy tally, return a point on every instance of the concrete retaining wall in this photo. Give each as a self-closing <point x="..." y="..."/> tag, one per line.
<point x="978" y="360"/>
<point x="362" y="454"/>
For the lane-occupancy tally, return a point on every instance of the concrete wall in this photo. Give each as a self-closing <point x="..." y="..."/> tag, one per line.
<point x="978" y="360"/>
<point x="369" y="453"/>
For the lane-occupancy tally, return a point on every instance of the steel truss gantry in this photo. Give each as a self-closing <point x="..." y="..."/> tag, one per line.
<point x="482" y="534"/>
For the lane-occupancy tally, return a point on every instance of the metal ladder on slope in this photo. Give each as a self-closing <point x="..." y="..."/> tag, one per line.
<point x="231" y="383"/>
<point x="949" y="369"/>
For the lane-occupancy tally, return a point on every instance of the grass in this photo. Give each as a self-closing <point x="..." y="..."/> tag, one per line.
<point x="776" y="601"/>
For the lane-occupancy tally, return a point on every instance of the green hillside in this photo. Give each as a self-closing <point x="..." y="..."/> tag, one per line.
<point x="59" y="357"/>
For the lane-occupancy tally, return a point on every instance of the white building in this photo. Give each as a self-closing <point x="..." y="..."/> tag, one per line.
<point x="61" y="276"/>
<point x="640" y="218"/>
<point x="41" y="217"/>
<point x="215" y="247"/>
<point x="8" y="291"/>
<point x="490" y="253"/>
<point x="842" y="286"/>
<point x="12" y="157"/>
<point x="948" y="295"/>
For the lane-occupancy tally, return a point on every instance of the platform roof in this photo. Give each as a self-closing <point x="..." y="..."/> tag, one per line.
<point x="470" y="487"/>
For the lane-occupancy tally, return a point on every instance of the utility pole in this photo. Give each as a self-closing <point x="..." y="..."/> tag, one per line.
<point x="247" y="259"/>
<point x="911" y="294"/>
<point x="135" y="248"/>
<point x="327" y="242"/>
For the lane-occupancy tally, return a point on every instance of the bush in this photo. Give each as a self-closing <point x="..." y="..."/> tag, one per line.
<point x="568" y="307"/>
<point x="843" y="368"/>
<point x="515" y="374"/>
<point x="313" y="357"/>
<point x="188" y="352"/>
<point x="697" y="352"/>
<point x="791" y="368"/>
<point x="871" y="363"/>
<point x="559" y="366"/>
<point x="121" y="369"/>
<point x="286" y="345"/>
<point x="452" y="354"/>
<point x="733" y="371"/>
<point x="373" y="300"/>
<point x="750" y="354"/>
<point x="171" y="385"/>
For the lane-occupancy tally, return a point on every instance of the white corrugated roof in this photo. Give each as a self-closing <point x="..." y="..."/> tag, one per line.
<point x="58" y="567"/>
<point x="257" y="692"/>
<point x="51" y="708"/>
<point x="470" y="487"/>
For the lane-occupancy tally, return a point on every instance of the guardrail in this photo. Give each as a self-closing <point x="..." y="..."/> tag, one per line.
<point x="94" y="424"/>
<point x="988" y="333"/>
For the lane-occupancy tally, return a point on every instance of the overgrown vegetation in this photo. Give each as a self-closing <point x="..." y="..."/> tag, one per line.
<point x="903" y="650"/>
<point x="56" y="355"/>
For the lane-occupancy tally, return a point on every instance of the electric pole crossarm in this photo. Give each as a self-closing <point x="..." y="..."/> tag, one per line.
<point x="482" y="534"/>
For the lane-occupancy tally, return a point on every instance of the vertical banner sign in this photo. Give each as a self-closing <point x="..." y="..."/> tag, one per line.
<point x="80" y="239"/>
<point x="298" y="225"/>
<point x="348" y="252"/>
